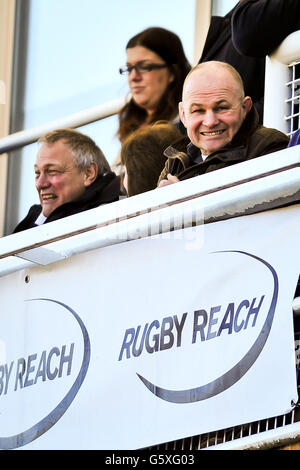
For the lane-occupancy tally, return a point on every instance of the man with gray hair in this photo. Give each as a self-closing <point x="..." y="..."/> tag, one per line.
<point x="71" y="176"/>
<point x="222" y="125"/>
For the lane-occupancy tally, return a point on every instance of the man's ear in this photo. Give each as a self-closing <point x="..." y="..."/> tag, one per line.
<point x="247" y="104"/>
<point x="181" y="113"/>
<point x="91" y="174"/>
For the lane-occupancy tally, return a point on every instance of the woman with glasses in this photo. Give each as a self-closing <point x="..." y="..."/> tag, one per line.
<point x="156" y="67"/>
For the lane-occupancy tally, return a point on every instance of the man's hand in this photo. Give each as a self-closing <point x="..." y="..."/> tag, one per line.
<point x="171" y="180"/>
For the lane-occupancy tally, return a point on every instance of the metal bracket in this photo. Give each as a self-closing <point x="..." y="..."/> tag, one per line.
<point x="41" y="256"/>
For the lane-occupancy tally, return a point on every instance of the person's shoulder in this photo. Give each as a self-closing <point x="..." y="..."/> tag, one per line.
<point x="265" y="131"/>
<point x="267" y="140"/>
<point x="29" y="219"/>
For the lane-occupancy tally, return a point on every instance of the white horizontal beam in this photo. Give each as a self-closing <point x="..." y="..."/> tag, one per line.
<point x="289" y="50"/>
<point x="210" y="183"/>
<point x="245" y="188"/>
<point x="81" y="118"/>
<point x="276" y="78"/>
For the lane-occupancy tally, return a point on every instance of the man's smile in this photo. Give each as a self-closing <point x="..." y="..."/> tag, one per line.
<point x="46" y="197"/>
<point x="212" y="133"/>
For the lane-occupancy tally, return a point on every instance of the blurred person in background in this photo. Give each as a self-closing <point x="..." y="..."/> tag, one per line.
<point x="156" y="67"/>
<point x="143" y="158"/>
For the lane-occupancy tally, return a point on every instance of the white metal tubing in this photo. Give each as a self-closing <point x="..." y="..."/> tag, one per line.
<point x="28" y="136"/>
<point x="238" y="200"/>
<point x="153" y="213"/>
<point x="286" y="53"/>
<point x="289" y="50"/>
<point x="276" y="77"/>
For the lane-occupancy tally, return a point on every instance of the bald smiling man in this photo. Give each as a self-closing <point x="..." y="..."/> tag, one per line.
<point x="222" y="125"/>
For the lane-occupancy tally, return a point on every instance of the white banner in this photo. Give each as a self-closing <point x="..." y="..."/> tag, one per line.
<point x="152" y="340"/>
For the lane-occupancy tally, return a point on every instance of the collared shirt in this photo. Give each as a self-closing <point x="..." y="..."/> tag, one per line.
<point x="41" y="219"/>
<point x="195" y="153"/>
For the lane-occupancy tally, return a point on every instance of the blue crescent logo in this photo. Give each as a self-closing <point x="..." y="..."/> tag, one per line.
<point x="46" y="423"/>
<point x="235" y="373"/>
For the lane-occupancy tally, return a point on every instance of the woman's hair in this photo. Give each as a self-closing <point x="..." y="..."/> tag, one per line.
<point x="82" y="147"/>
<point x="169" y="47"/>
<point x="142" y="155"/>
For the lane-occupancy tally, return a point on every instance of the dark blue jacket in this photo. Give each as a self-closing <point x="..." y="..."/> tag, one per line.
<point x="104" y="190"/>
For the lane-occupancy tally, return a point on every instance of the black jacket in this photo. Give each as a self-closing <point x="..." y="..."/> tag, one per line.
<point x="259" y="26"/>
<point x="104" y="190"/>
<point x="219" y="46"/>
<point x="251" y="141"/>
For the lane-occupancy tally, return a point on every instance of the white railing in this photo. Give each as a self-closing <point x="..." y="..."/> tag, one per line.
<point x="275" y="115"/>
<point x="257" y="185"/>
<point x="87" y="116"/>
<point x="280" y="84"/>
<point x="252" y="186"/>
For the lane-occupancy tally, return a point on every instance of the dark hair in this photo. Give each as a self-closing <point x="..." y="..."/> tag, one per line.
<point x="142" y="155"/>
<point x="169" y="47"/>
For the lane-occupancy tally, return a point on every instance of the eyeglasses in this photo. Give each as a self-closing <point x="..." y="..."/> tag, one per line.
<point x="141" y="67"/>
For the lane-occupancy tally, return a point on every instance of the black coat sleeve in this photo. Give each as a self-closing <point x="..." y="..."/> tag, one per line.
<point x="259" y="26"/>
